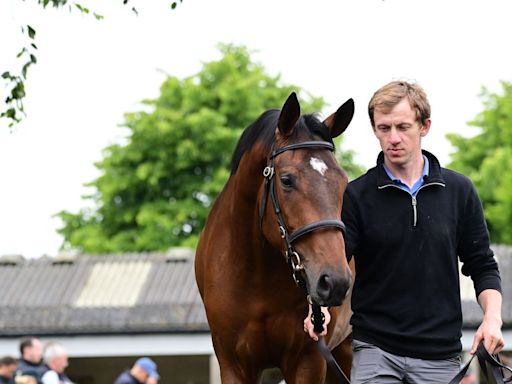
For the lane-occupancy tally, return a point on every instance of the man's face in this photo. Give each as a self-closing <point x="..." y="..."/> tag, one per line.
<point x="399" y="134"/>
<point x="11" y="369"/>
<point x="60" y="363"/>
<point x="144" y="376"/>
<point x="34" y="353"/>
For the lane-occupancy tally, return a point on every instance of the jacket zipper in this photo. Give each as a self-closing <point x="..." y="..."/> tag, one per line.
<point x="414" y="210"/>
<point x="414" y="202"/>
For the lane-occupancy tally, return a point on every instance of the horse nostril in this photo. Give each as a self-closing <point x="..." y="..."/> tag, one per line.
<point x="324" y="287"/>
<point x="332" y="290"/>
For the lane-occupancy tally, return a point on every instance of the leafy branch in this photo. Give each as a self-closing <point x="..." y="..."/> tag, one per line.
<point x="13" y="109"/>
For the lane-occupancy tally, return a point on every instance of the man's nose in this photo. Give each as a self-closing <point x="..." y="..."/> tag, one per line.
<point x="394" y="137"/>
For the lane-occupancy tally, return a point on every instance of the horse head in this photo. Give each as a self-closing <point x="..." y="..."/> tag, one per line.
<point x="304" y="187"/>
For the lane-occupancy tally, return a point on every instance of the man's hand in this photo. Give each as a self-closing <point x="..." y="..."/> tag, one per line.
<point x="308" y="324"/>
<point x="490" y="329"/>
<point x="490" y="332"/>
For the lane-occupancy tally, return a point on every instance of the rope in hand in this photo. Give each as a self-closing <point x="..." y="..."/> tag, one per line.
<point x="318" y="318"/>
<point x="490" y="365"/>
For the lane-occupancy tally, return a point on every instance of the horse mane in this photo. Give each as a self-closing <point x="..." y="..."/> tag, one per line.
<point x="263" y="129"/>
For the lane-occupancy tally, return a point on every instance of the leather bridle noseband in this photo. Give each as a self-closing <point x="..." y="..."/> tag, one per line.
<point x="270" y="188"/>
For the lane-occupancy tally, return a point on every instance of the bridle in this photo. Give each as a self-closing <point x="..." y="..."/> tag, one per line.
<point x="292" y="256"/>
<point x="270" y="188"/>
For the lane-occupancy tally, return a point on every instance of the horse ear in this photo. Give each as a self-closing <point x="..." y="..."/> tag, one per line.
<point x="339" y="120"/>
<point x="290" y="113"/>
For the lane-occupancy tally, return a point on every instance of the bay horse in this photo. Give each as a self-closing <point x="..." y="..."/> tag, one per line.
<point x="272" y="237"/>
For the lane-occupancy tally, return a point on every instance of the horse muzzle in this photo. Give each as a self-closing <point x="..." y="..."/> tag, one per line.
<point x="331" y="288"/>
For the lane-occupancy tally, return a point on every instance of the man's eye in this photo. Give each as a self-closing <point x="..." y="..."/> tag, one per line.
<point x="286" y="181"/>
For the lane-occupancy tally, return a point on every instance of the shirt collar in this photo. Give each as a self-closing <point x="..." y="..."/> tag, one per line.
<point x="395" y="179"/>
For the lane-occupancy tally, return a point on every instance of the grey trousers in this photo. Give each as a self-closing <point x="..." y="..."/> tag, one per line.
<point x="371" y="364"/>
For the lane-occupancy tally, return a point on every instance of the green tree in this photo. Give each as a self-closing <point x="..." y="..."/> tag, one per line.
<point x="155" y="190"/>
<point x="14" y="80"/>
<point x="346" y="159"/>
<point x="487" y="159"/>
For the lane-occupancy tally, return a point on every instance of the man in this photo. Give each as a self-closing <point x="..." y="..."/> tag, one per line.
<point x="30" y="364"/>
<point x="407" y="221"/>
<point x="56" y="359"/>
<point x="7" y="369"/>
<point x="143" y="371"/>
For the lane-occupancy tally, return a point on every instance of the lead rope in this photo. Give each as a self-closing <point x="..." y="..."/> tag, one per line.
<point x="490" y="365"/>
<point x="318" y="319"/>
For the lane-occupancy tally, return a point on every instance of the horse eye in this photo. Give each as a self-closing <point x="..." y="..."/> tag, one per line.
<point x="286" y="181"/>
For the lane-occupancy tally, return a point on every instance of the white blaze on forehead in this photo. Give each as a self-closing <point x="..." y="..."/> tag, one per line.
<point x="318" y="165"/>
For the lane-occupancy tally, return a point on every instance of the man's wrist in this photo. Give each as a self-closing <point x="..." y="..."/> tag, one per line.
<point x="494" y="317"/>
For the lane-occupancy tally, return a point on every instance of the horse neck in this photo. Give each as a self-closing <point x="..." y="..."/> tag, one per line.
<point x="245" y="186"/>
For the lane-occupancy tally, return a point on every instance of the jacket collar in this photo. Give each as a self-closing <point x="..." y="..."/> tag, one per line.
<point x="434" y="171"/>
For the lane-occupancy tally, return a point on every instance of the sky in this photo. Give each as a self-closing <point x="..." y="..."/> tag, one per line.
<point x="90" y="73"/>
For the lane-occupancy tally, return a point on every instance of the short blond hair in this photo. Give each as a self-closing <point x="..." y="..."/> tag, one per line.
<point x="385" y="98"/>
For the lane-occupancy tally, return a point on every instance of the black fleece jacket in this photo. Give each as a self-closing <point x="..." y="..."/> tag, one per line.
<point x="406" y="295"/>
<point x="27" y="368"/>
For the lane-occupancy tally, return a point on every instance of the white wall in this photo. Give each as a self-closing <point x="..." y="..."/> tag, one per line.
<point x="126" y="345"/>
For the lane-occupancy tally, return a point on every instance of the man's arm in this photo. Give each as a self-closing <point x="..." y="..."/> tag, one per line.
<point x="490" y="329"/>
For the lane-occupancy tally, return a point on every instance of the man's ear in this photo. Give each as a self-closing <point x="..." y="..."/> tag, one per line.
<point x="425" y="128"/>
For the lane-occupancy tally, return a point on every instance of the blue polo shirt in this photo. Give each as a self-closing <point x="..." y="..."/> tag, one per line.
<point x="414" y="190"/>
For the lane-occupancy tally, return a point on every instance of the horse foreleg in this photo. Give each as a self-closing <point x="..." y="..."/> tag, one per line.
<point x="231" y="374"/>
<point x="310" y="369"/>
<point x="343" y="355"/>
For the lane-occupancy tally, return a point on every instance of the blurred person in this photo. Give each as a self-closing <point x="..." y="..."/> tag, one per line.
<point x="56" y="360"/>
<point x="143" y="371"/>
<point x="30" y="367"/>
<point x="7" y="368"/>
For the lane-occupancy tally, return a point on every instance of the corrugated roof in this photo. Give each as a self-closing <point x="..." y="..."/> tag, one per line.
<point x="114" y="284"/>
<point x="134" y="293"/>
<point x="131" y="293"/>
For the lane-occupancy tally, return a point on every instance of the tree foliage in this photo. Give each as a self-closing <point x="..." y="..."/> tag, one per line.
<point x="13" y="109"/>
<point x="487" y="159"/>
<point x="156" y="189"/>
